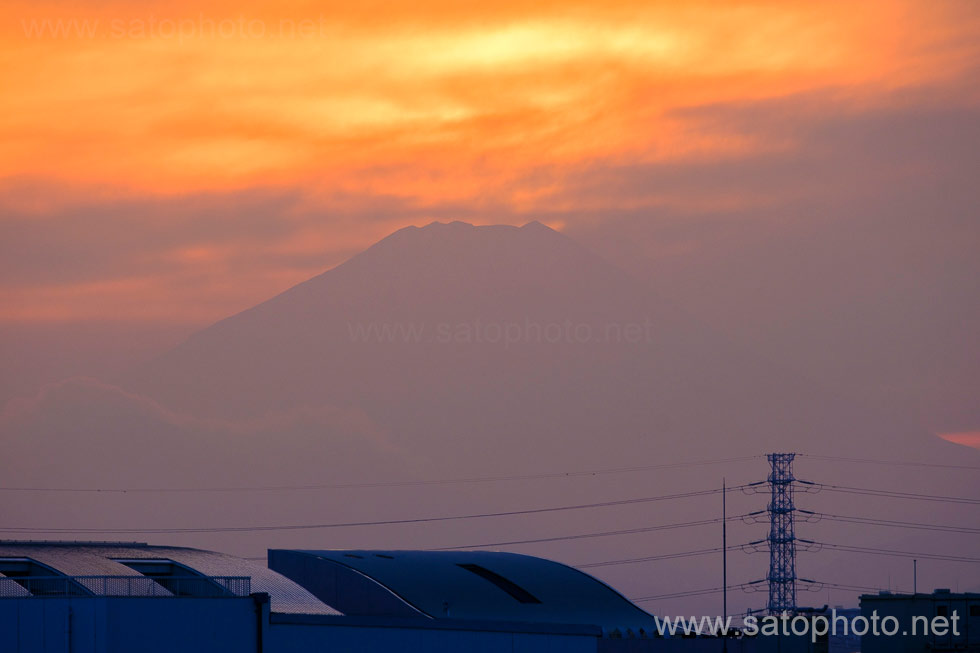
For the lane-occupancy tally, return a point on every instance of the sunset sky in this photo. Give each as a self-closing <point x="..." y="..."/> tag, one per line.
<point x="789" y="191"/>
<point x="803" y="174"/>
<point x="180" y="161"/>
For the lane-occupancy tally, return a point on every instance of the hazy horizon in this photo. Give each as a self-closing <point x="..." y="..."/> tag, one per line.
<point x="341" y="265"/>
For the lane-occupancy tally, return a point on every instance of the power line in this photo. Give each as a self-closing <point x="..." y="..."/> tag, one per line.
<point x="465" y="480"/>
<point x="814" y="586"/>
<point x="890" y="523"/>
<point x="851" y="588"/>
<point x="379" y="484"/>
<point x="750" y="586"/>
<point x="678" y="595"/>
<point x="894" y="494"/>
<point x="872" y="461"/>
<point x="579" y="536"/>
<point x="700" y="592"/>
<point x="665" y="556"/>
<point x="819" y="545"/>
<point x="387" y="522"/>
<point x="889" y="552"/>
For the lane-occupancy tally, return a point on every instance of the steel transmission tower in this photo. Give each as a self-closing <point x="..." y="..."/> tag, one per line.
<point x="782" y="535"/>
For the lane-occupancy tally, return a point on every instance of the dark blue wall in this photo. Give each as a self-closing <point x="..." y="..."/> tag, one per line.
<point x="302" y="634"/>
<point x="127" y="625"/>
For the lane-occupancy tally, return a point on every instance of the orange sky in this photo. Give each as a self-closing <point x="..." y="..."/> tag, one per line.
<point x="426" y="104"/>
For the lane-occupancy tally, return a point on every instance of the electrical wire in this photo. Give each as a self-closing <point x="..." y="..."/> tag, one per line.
<point x="665" y="556"/>
<point x="382" y="484"/>
<point x="890" y="523"/>
<point x="579" y="536"/>
<point x="700" y="592"/>
<point x="818" y="546"/>
<point x="872" y="461"/>
<point x="889" y="552"/>
<point x="387" y="522"/>
<point x="679" y="595"/>
<point x="894" y="494"/>
<point x="751" y="585"/>
<point x="853" y="588"/>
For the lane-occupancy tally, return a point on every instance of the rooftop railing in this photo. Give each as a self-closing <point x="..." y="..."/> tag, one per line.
<point x="129" y="586"/>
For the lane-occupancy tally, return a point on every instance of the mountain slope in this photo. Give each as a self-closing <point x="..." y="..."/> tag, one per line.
<point x="484" y="342"/>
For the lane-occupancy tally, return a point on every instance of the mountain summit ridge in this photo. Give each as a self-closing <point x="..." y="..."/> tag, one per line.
<point x="448" y="255"/>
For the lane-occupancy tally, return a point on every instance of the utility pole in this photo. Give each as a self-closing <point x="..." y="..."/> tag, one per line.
<point x="724" y="561"/>
<point x="782" y="536"/>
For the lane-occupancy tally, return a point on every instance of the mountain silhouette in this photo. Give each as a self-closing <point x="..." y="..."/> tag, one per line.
<point x="503" y="343"/>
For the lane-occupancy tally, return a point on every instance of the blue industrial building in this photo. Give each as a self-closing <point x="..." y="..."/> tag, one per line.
<point x="472" y="585"/>
<point x="125" y="597"/>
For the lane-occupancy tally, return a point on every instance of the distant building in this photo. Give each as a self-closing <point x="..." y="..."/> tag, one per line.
<point x="942" y="622"/>
<point x="840" y="642"/>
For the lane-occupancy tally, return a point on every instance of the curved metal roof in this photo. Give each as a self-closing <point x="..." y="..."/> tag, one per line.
<point x="100" y="559"/>
<point x="484" y="585"/>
